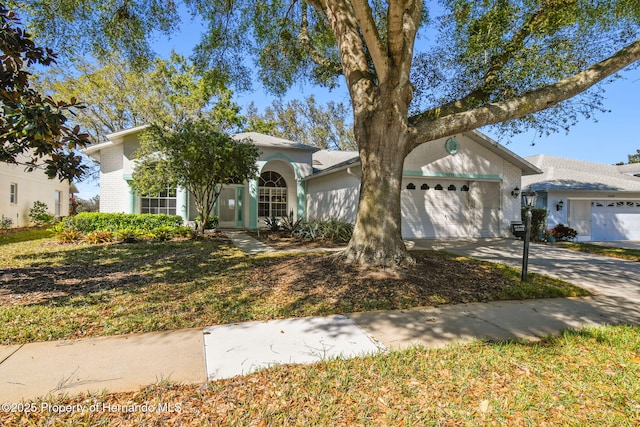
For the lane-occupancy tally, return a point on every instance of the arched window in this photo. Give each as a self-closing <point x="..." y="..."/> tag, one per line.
<point x="424" y="186"/>
<point x="451" y="187"/>
<point x="464" y="188"/>
<point x="411" y="186"/>
<point x="272" y="195"/>
<point x="438" y="187"/>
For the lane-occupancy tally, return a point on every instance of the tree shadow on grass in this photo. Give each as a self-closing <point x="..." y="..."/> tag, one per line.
<point x="59" y="275"/>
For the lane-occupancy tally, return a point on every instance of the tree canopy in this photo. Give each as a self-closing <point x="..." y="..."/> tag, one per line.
<point x="119" y="96"/>
<point x="195" y="155"/>
<point x="33" y="127"/>
<point x="305" y="121"/>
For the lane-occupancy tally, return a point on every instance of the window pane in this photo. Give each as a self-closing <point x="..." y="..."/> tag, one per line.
<point x="164" y="202"/>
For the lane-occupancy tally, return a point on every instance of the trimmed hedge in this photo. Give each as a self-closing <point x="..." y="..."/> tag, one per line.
<point x="89" y="222"/>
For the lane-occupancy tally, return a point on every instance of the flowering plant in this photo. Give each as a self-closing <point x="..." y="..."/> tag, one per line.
<point x="559" y="232"/>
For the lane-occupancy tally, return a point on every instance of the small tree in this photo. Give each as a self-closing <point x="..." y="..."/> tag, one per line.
<point x="194" y="155"/>
<point x="5" y="223"/>
<point x="39" y="213"/>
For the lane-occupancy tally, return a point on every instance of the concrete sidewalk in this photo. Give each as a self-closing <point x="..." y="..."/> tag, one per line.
<point x="129" y="362"/>
<point x="117" y="363"/>
<point x="529" y="320"/>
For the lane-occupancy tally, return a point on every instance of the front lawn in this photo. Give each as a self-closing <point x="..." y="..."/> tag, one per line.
<point x="585" y="378"/>
<point x="52" y="291"/>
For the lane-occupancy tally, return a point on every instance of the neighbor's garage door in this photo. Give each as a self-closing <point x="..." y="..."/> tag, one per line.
<point x="434" y="208"/>
<point x="619" y="220"/>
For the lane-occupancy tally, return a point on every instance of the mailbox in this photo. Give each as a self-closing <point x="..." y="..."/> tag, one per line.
<point x="518" y="229"/>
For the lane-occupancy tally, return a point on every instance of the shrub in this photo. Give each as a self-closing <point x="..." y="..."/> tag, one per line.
<point x="211" y="224"/>
<point x="538" y="222"/>
<point x="272" y="223"/>
<point x="99" y="237"/>
<point x="337" y="231"/>
<point x="562" y="232"/>
<point x="127" y="228"/>
<point x="308" y="230"/>
<point x="88" y="222"/>
<point x="39" y="213"/>
<point x="333" y="229"/>
<point x="165" y="233"/>
<point x="289" y="225"/>
<point x="5" y="223"/>
<point x="69" y="236"/>
<point x="130" y="235"/>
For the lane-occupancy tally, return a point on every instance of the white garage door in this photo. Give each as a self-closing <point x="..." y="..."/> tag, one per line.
<point x="615" y="220"/>
<point x="434" y="208"/>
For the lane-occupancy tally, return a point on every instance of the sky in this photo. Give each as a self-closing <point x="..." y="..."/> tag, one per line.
<point x="606" y="138"/>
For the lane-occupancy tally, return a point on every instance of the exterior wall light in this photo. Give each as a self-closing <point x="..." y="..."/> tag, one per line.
<point x="560" y="205"/>
<point x="515" y="192"/>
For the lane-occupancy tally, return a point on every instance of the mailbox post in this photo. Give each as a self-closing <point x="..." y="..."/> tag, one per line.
<point x="530" y="201"/>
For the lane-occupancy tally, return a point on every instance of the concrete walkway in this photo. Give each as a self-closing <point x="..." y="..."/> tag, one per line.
<point x="128" y="362"/>
<point x="247" y="244"/>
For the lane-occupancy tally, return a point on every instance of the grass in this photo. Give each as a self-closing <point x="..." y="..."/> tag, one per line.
<point x="580" y="378"/>
<point x="622" y="253"/>
<point x="24" y="236"/>
<point x="50" y="291"/>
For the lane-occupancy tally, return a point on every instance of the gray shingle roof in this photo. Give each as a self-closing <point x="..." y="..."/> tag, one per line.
<point x="263" y="140"/>
<point x="325" y="159"/>
<point x="569" y="174"/>
<point x="632" y="169"/>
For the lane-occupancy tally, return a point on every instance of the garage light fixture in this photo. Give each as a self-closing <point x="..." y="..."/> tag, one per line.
<point x="515" y="192"/>
<point x="560" y="205"/>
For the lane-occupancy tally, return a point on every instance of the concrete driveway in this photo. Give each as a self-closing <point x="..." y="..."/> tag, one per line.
<point x="615" y="281"/>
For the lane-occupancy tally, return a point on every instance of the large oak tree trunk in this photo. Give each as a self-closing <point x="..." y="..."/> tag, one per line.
<point x="377" y="236"/>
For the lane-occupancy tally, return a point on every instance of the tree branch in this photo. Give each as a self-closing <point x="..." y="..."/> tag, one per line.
<point x="372" y="38"/>
<point x="531" y="102"/>
<point x="305" y="40"/>
<point x="497" y="62"/>
<point x="355" y="66"/>
<point x="403" y="19"/>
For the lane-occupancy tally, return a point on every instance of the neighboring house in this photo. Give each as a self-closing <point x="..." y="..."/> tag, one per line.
<point x="455" y="187"/>
<point x="19" y="189"/>
<point x="601" y="202"/>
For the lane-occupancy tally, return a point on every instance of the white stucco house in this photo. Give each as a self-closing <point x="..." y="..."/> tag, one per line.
<point x="601" y="202"/>
<point x="20" y="189"/>
<point x="461" y="186"/>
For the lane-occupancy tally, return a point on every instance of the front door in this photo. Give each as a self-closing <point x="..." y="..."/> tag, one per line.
<point x="229" y="207"/>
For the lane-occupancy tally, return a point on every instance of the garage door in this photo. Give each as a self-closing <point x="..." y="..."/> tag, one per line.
<point x="615" y="220"/>
<point x="434" y="208"/>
